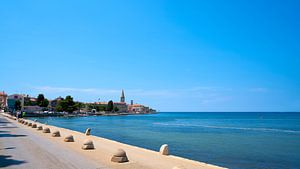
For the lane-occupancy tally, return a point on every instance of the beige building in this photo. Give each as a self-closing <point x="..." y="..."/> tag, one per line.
<point x="32" y="109"/>
<point x="53" y="103"/>
<point x="122" y="107"/>
<point x="3" y="99"/>
<point x="138" y="108"/>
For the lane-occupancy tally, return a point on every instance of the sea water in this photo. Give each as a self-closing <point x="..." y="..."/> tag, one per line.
<point x="234" y="140"/>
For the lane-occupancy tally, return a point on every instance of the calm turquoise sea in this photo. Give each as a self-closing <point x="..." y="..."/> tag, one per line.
<point x="233" y="140"/>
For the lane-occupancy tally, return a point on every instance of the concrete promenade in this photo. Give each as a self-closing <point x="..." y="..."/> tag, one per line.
<point x="23" y="149"/>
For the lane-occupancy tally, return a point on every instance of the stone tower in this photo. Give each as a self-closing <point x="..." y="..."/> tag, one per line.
<point x="122" y="99"/>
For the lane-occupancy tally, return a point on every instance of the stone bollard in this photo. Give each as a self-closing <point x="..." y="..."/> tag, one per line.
<point x="56" y="134"/>
<point x="119" y="156"/>
<point x="46" y="130"/>
<point x="29" y="124"/>
<point x="69" y="138"/>
<point x="87" y="145"/>
<point x="179" y="167"/>
<point x="40" y="128"/>
<point x="33" y="125"/>
<point x="88" y="132"/>
<point x="164" y="149"/>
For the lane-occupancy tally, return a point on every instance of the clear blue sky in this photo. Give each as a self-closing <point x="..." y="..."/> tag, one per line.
<point x="186" y="55"/>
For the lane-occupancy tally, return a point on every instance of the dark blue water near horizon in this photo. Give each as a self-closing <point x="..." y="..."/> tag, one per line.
<point x="247" y="140"/>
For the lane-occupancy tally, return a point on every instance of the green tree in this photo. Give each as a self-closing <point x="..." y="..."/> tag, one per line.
<point x="40" y="99"/>
<point x="102" y="108"/>
<point x="44" y="103"/>
<point x="28" y="102"/>
<point x="60" y="106"/>
<point x="116" y="109"/>
<point x="79" y="105"/>
<point x="67" y="105"/>
<point x="90" y="107"/>
<point x="70" y="104"/>
<point x="110" y="106"/>
<point x="18" y="105"/>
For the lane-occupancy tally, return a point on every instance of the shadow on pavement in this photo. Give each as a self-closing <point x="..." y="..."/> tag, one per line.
<point x="6" y="124"/>
<point x="12" y="135"/>
<point x="8" y="127"/>
<point x="8" y="148"/>
<point x="6" y="160"/>
<point x="3" y="131"/>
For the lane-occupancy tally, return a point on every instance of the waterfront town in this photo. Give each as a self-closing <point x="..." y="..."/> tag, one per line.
<point x="41" y="106"/>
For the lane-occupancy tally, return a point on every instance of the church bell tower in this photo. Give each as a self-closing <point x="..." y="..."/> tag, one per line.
<point x="122" y="98"/>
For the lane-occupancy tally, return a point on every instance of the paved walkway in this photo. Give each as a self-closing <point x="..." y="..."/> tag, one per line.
<point x="21" y="149"/>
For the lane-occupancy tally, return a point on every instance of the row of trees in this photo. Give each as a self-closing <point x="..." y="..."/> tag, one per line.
<point x="67" y="104"/>
<point x="109" y="107"/>
<point x="41" y="101"/>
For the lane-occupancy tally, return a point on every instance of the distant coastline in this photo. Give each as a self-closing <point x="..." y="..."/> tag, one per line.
<point x="23" y="105"/>
<point x="65" y="114"/>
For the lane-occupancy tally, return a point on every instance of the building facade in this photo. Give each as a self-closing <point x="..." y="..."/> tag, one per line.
<point x="54" y="103"/>
<point x="3" y="100"/>
<point x="12" y="100"/>
<point x="122" y="107"/>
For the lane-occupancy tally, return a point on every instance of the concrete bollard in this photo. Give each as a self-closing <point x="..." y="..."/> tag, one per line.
<point x="164" y="149"/>
<point x="29" y="124"/>
<point x="33" y="125"/>
<point x="46" y="130"/>
<point x="87" y="145"/>
<point x="69" y="138"/>
<point x="119" y="156"/>
<point x="40" y="128"/>
<point x="179" y="167"/>
<point x="56" y="134"/>
<point x="88" y="132"/>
